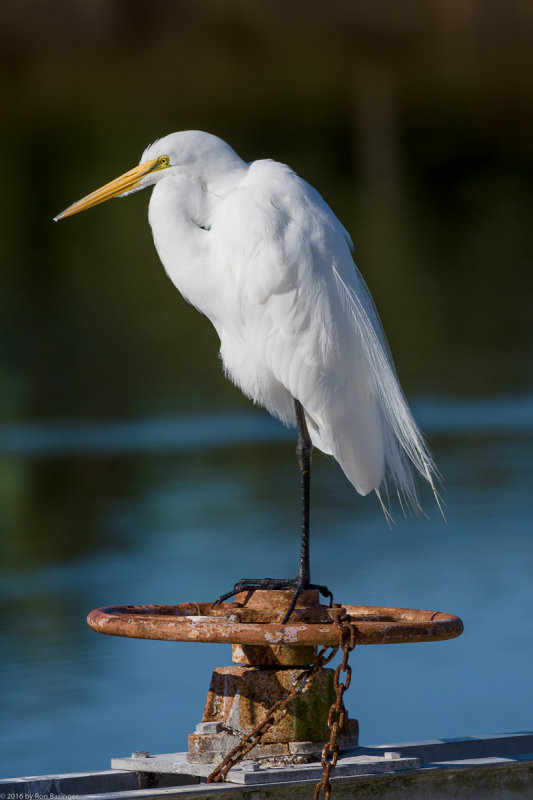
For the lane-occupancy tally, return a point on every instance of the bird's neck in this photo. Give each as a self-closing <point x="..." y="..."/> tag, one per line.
<point x="223" y="178"/>
<point x="180" y="215"/>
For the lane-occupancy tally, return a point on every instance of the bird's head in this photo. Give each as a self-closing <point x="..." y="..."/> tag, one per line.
<point x="187" y="152"/>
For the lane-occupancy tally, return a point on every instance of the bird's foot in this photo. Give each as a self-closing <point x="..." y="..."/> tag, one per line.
<point x="297" y="584"/>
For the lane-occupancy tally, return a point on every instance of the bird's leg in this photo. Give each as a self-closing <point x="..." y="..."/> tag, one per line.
<point x="302" y="581"/>
<point x="304" y="450"/>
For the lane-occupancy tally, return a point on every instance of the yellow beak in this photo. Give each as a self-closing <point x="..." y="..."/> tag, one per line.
<point x="112" y="189"/>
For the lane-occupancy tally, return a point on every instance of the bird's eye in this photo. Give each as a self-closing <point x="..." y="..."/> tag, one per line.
<point x="164" y="161"/>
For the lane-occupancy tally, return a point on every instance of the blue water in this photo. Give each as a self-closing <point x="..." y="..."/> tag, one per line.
<point x="175" y="509"/>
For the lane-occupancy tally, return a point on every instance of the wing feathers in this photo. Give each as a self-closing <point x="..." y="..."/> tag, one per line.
<point x="309" y="330"/>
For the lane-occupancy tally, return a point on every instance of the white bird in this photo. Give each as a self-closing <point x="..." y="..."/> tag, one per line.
<point x="258" y="251"/>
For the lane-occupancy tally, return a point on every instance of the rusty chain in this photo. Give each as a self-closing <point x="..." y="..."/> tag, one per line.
<point x="337" y="712"/>
<point x="336" y="717"/>
<point x="276" y="713"/>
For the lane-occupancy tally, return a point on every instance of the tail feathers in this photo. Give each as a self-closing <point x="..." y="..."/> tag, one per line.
<point x="402" y="459"/>
<point x="405" y="451"/>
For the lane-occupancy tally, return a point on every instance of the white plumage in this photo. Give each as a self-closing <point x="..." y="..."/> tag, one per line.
<point x="257" y="250"/>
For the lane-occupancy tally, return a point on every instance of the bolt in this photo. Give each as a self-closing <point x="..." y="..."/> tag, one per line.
<point x="391" y="754"/>
<point x="140" y="754"/>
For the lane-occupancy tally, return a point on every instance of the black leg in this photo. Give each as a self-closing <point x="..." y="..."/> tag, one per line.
<point x="304" y="450"/>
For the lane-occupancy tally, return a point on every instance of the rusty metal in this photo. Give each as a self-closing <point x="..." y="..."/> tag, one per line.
<point x="336" y="717"/>
<point x="275" y="714"/>
<point x="257" y="690"/>
<point x="279" y="656"/>
<point x="237" y="624"/>
<point x="337" y="712"/>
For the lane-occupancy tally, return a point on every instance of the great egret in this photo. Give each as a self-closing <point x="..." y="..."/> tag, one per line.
<point x="257" y="250"/>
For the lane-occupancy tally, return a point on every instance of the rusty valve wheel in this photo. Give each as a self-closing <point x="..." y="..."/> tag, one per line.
<point x="255" y="620"/>
<point x="271" y="670"/>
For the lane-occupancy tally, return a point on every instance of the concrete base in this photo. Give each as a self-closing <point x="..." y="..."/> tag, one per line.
<point x="240" y="698"/>
<point x="255" y="772"/>
<point x="211" y="747"/>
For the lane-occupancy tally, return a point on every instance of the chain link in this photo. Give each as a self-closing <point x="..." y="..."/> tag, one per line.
<point x="276" y="713"/>
<point x="337" y="712"/>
